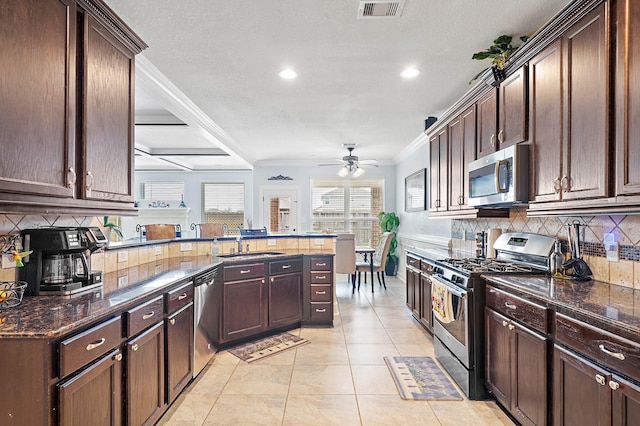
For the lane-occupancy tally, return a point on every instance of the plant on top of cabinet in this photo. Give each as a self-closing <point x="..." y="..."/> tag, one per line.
<point x="498" y="52"/>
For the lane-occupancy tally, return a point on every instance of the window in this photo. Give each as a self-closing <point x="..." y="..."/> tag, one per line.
<point x="162" y="191"/>
<point x="224" y="203"/>
<point x="343" y="205"/>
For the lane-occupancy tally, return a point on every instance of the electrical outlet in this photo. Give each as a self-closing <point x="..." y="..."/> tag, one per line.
<point x="8" y="261"/>
<point x="318" y="241"/>
<point x="157" y="250"/>
<point x="123" y="280"/>
<point x="611" y="247"/>
<point x="185" y="247"/>
<point x="123" y="256"/>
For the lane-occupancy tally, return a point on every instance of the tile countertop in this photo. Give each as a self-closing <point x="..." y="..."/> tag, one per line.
<point x="53" y="316"/>
<point x="614" y="307"/>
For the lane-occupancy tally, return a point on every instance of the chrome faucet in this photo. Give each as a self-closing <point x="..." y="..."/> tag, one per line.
<point x="239" y="241"/>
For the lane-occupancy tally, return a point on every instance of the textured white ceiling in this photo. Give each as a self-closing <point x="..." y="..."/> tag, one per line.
<point x="225" y="57"/>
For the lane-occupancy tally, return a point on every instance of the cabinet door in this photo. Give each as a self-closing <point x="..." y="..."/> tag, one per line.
<point x="145" y="376"/>
<point x="93" y="397"/>
<point x="455" y="165"/>
<point x="627" y="94"/>
<point x="586" y="86"/>
<point x="545" y="123"/>
<point x="469" y="131"/>
<point x="498" y="356"/>
<point x="415" y="303"/>
<point x="108" y="115"/>
<point x="410" y="287"/>
<point x="529" y="399"/>
<point x="285" y="299"/>
<point x="37" y="97"/>
<point x="179" y="329"/>
<point x="244" y="309"/>
<point x="513" y="109"/>
<point x="626" y="402"/>
<point x="487" y="108"/>
<point x="426" y="314"/>
<point x="438" y="163"/>
<point x="581" y="395"/>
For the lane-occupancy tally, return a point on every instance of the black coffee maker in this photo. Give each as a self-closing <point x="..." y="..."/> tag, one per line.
<point x="61" y="260"/>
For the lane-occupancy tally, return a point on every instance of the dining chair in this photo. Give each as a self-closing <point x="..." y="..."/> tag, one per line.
<point x="160" y="231"/>
<point x="346" y="257"/>
<point x="210" y="230"/>
<point x="379" y="260"/>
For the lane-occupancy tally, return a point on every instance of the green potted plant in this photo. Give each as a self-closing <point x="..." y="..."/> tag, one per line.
<point x="111" y="227"/>
<point x="389" y="222"/>
<point x="498" y="52"/>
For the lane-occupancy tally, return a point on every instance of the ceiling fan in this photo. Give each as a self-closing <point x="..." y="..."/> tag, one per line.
<point x="351" y="164"/>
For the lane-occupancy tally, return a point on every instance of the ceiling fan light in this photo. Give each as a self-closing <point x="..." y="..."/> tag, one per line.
<point x="343" y="172"/>
<point x="357" y="172"/>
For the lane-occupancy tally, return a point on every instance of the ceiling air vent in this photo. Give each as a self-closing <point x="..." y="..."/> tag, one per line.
<point x="372" y="9"/>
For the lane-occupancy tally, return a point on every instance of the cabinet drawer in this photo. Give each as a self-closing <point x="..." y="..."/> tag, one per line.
<point x="531" y="314"/>
<point x="413" y="261"/>
<point x="321" y="277"/>
<point x="285" y="266"/>
<point x="179" y="297"/>
<point x="243" y="272"/>
<point x="143" y="316"/>
<point x="320" y="264"/>
<point x="613" y="351"/>
<point x="321" y="293"/>
<point x="321" y="311"/>
<point x="83" y="348"/>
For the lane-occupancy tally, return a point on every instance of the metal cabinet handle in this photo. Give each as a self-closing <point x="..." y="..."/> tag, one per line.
<point x="511" y="326"/>
<point x="321" y="292"/>
<point x="134" y="347"/>
<point x="245" y="271"/>
<point x="321" y="277"/>
<point x="501" y="136"/>
<point x="510" y="306"/>
<point x="182" y="296"/>
<point x="566" y="183"/>
<point x="71" y="180"/>
<point x="95" y="344"/>
<point x="321" y="264"/>
<point x="89" y="181"/>
<point x="504" y="323"/>
<point x="493" y="143"/>
<point x="172" y="321"/>
<point x="600" y="379"/>
<point x="117" y="357"/>
<point x="557" y="187"/>
<point x="613" y="354"/>
<point x="272" y="279"/>
<point x="286" y="266"/>
<point x="321" y="310"/>
<point x="149" y="315"/>
<point x="614" y="385"/>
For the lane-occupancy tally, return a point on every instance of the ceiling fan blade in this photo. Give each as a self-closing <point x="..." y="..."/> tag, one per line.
<point x="368" y="162"/>
<point x="331" y="164"/>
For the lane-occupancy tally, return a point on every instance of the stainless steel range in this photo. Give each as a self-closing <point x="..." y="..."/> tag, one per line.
<point x="459" y="331"/>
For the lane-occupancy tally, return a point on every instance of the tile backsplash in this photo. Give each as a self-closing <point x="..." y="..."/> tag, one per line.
<point x="624" y="229"/>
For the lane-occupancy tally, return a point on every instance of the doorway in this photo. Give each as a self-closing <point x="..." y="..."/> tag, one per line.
<point x="279" y="209"/>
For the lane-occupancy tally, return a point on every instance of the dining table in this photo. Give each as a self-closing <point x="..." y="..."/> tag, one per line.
<point x="367" y="253"/>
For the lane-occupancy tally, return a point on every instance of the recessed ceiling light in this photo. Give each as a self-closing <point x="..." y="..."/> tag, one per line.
<point x="288" y="74"/>
<point x="410" y="73"/>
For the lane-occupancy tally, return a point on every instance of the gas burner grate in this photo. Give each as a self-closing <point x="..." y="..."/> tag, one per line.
<point x="486" y="265"/>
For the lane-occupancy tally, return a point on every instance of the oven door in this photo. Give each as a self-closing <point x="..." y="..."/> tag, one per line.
<point x="453" y="328"/>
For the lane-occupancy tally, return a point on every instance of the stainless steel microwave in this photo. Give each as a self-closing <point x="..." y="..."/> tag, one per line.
<point x="500" y="179"/>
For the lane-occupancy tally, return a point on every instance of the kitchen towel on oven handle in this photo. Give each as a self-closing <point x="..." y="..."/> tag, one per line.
<point x="441" y="301"/>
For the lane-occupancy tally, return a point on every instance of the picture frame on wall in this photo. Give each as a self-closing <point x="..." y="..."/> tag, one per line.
<point x="415" y="191"/>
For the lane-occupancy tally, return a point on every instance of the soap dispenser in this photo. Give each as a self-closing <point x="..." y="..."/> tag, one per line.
<point x="557" y="260"/>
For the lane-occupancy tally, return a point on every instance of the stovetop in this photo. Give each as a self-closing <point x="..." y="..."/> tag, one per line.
<point x="478" y="265"/>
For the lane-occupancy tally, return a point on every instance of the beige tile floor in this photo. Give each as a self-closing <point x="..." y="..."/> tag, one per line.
<point x="340" y="378"/>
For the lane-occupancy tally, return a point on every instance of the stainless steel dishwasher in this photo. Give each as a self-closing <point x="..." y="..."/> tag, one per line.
<point x="205" y="317"/>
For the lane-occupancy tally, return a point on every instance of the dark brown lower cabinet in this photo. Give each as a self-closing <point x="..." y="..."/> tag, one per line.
<point x="587" y="394"/>
<point x="145" y="400"/>
<point x="285" y="299"/>
<point x="516" y="368"/>
<point x="413" y="291"/>
<point x="244" y="309"/>
<point x="426" y="313"/>
<point x="179" y="330"/>
<point x="94" y="396"/>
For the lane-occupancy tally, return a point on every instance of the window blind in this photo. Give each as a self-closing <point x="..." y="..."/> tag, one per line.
<point x="157" y="190"/>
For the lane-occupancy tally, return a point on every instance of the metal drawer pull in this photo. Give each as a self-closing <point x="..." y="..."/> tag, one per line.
<point x="321" y="264"/>
<point x="95" y="344"/>
<point x="134" y="347"/>
<point x="149" y="315"/>
<point x="321" y="277"/>
<point x="182" y="296"/>
<point x="321" y="310"/>
<point x="613" y="354"/>
<point x="245" y="271"/>
<point x="286" y="266"/>
<point x="614" y="385"/>
<point x="510" y="305"/>
<point x="504" y="323"/>
<point x="172" y="321"/>
<point x="321" y="292"/>
<point x="511" y="326"/>
<point x="118" y="357"/>
<point x="600" y="379"/>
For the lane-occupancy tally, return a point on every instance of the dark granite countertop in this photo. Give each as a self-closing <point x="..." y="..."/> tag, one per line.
<point x="144" y="242"/>
<point x="54" y="316"/>
<point x="604" y="305"/>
